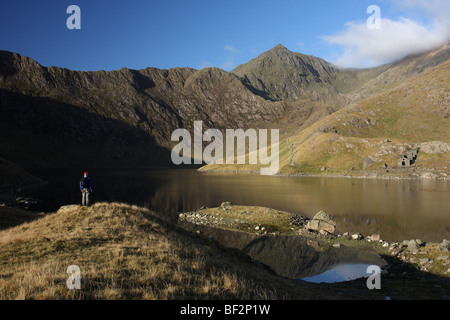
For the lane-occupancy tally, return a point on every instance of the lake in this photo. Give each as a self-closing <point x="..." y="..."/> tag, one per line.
<point x="396" y="209"/>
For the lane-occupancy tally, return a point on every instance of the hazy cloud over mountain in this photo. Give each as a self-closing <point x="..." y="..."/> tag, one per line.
<point x="364" y="47"/>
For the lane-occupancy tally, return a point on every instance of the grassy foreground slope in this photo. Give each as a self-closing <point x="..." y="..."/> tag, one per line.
<point x="124" y="252"/>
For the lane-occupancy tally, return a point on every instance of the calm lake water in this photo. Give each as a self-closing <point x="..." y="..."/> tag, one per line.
<point x="397" y="210"/>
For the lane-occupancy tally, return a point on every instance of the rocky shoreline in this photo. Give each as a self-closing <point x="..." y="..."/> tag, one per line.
<point x="399" y="174"/>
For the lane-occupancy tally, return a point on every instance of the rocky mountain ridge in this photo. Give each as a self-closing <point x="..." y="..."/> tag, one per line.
<point x="114" y="112"/>
<point x="51" y="116"/>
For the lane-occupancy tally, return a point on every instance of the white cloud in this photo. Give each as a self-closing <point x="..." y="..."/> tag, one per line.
<point x="205" y="64"/>
<point x="364" y="47"/>
<point x="229" y="64"/>
<point x="231" y="49"/>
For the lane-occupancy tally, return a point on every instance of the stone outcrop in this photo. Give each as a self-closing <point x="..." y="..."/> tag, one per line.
<point x="435" y="147"/>
<point x="322" y="221"/>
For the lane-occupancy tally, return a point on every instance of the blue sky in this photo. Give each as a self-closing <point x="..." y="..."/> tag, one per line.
<point x="189" y="33"/>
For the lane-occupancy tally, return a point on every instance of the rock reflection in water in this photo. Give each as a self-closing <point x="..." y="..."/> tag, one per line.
<point x="293" y="257"/>
<point x="297" y="258"/>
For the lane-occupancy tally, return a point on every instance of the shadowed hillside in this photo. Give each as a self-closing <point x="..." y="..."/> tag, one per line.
<point x="121" y="118"/>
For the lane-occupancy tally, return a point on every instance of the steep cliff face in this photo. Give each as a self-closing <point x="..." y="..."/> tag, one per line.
<point x="54" y="116"/>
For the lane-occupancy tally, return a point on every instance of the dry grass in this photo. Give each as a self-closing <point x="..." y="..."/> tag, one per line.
<point x="124" y="252"/>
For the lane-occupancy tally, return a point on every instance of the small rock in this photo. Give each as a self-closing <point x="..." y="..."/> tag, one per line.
<point x="357" y="236"/>
<point x="346" y="236"/>
<point x="386" y="244"/>
<point x="420" y="242"/>
<point x="442" y="258"/>
<point x="375" y="237"/>
<point x="424" y="260"/>
<point x="337" y="245"/>
<point x="226" y="204"/>
<point x="68" y="208"/>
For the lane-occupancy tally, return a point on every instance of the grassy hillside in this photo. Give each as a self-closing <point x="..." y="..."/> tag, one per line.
<point x="377" y="130"/>
<point x="405" y="109"/>
<point x="124" y="252"/>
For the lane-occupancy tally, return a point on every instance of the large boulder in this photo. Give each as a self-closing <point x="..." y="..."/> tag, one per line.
<point x="322" y="221"/>
<point x="413" y="246"/>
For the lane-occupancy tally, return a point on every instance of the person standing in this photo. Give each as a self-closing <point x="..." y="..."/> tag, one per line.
<point x="86" y="190"/>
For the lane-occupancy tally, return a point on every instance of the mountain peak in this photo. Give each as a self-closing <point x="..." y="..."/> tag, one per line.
<point x="279" y="47"/>
<point x="301" y="75"/>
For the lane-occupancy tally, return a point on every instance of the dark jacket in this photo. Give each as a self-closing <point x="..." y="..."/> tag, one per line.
<point x="89" y="182"/>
